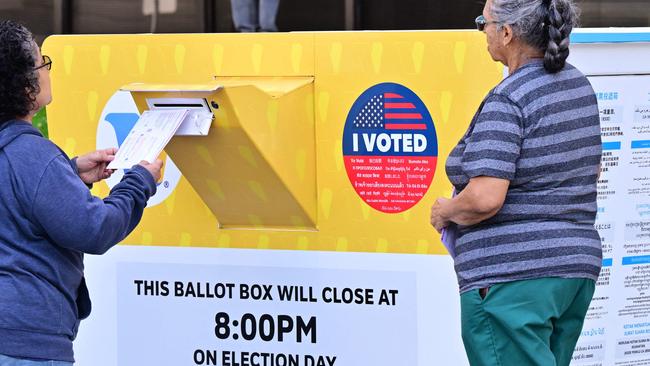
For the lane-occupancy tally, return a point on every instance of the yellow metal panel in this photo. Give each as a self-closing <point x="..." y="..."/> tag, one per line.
<point x="449" y="71"/>
<point x="243" y="169"/>
<point x="143" y="87"/>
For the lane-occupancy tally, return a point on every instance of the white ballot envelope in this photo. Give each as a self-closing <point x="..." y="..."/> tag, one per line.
<point x="449" y="235"/>
<point x="148" y="137"/>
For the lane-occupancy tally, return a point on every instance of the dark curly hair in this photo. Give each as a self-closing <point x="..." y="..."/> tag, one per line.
<point x="18" y="79"/>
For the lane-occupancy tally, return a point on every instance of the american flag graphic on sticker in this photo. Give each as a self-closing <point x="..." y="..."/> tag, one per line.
<point x="390" y="147"/>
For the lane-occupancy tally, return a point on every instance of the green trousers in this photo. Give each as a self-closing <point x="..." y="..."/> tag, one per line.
<point x="525" y="323"/>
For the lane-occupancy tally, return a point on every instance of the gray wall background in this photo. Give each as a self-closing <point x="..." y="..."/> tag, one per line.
<point x="45" y="17"/>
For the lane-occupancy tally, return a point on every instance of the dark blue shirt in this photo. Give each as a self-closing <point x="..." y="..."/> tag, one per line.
<point x="48" y="220"/>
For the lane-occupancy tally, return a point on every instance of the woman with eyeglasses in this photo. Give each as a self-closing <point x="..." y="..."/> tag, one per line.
<point x="48" y="216"/>
<point x="527" y="255"/>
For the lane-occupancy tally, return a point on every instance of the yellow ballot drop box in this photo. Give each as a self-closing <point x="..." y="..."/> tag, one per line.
<point x="291" y="222"/>
<point x="315" y="139"/>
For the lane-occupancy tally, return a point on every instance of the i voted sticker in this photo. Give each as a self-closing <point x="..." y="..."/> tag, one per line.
<point x="390" y="147"/>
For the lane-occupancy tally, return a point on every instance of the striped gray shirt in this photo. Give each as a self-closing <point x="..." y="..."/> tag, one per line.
<point x="541" y="132"/>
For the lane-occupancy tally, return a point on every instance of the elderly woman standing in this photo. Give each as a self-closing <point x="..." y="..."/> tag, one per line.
<point x="527" y="255"/>
<point x="48" y="218"/>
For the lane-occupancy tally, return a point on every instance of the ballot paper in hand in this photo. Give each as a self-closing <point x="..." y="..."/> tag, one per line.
<point x="148" y="137"/>
<point x="449" y="235"/>
<point x="448" y="238"/>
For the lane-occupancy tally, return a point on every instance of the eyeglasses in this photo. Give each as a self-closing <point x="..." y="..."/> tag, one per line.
<point x="481" y="23"/>
<point x="47" y="63"/>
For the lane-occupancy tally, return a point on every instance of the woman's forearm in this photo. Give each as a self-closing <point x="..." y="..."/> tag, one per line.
<point x="464" y="210"/>
<point x="480" y="200"/>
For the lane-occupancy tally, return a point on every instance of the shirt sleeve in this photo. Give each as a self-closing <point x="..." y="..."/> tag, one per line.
<point x="494" y="143"/>
<point x="73" y="218"/>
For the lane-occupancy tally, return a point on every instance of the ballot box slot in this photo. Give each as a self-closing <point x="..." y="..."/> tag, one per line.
<point x="180" y="106"/>
<point x="199" y="116"/>
<point x="179" y="103"/>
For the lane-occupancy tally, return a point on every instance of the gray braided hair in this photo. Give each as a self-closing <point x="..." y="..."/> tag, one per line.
<point x="543" y="24"/>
